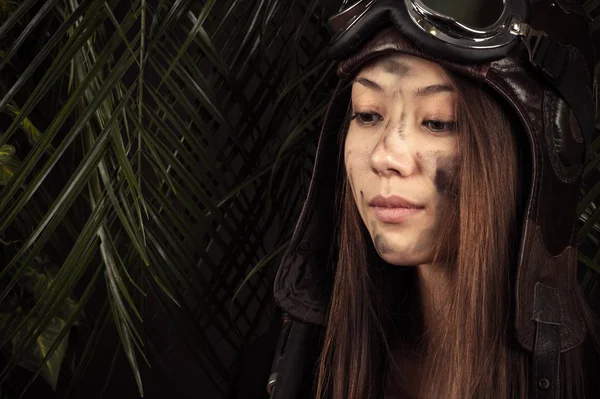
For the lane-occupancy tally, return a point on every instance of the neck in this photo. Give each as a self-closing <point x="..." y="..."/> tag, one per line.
<point x="426" y="314"/>
<point x="422" y="318"/>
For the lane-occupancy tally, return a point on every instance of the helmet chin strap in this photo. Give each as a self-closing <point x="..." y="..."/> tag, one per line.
<point x="545" y="383"/>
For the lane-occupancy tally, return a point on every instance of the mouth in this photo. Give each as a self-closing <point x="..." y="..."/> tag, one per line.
<point x="394" y="209"/>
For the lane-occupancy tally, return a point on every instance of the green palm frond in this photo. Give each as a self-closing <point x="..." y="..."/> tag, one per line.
<point x="151" y="150"/>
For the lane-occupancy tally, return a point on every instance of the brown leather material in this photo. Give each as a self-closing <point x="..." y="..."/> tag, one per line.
<point x="549" y="219"/>
<point x="553" y="271"/>
<point x="557" y="219"/>
<point x="303" y="282"/>
<point x="390" y="40"/>
<point x="575" y="130"/>
<point x="546" y="360"/>
<point x="566" y="152"/>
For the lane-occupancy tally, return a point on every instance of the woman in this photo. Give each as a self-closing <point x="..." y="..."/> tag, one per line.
<point x="435" y="256"/>
<point x="406" y="148"/>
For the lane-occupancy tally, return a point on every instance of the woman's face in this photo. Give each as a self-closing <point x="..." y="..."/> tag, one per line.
<point x="400" y="154"/>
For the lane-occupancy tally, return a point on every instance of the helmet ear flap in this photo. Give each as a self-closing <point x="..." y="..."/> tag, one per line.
<point x="563" y="136"/>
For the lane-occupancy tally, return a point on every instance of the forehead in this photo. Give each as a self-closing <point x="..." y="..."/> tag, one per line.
<point x="404" y="67"/>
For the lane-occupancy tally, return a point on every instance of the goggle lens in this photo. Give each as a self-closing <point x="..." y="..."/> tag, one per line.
<point x="476" y="14"/>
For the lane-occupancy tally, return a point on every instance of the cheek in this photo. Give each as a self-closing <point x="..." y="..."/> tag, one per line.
<point x="445" y="172"/>
<point x="439" y="165"/>
<point x="357" y="164"/>
<point x="349" y="164"/>
<point x="358" y="176"/>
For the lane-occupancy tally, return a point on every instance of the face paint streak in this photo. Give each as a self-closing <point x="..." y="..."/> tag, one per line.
<point x="443" y="174"/>
<point x="443" y="169"/>
<point x="424" y="241"/>
<point x="442" y="179"/>
<point x="395" y="67"/>
<point x="381" y="244"/>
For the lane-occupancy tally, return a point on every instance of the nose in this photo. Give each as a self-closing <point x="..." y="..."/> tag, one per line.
<point x="393" y="154"/>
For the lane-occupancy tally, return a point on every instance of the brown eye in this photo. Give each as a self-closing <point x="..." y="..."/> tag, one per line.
<point x="366" y="118"/>
<point x="440" y="126"/>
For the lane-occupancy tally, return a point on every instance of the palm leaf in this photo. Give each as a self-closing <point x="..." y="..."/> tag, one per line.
<point x="154" y="131"/>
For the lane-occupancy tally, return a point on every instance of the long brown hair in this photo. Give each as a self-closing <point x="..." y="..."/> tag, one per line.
<point x="475" y="355"/>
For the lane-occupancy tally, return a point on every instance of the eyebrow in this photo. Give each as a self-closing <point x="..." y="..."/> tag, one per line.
<point x="420" y="92"/>
<point x="368" y="84"/>
<point x="434" y="89"/>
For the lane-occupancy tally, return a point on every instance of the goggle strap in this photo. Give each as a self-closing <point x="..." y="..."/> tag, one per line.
<point x="553" y="60"/>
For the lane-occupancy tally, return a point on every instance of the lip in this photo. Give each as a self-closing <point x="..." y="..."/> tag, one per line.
<point x="394" y="209"/>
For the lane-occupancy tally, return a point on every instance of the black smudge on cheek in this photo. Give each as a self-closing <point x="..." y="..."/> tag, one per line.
<point x="352" y="189"/>
<point x="442" y="180"/>
<point x="381" y="244"/>
<point x="424" y="242"/>
<point x="444" y="173"/>
<point x="433" y="166"/>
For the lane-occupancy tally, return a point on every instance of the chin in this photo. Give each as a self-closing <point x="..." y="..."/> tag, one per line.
<point x="397" y="259"/>
<point x="401" y="249"/>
